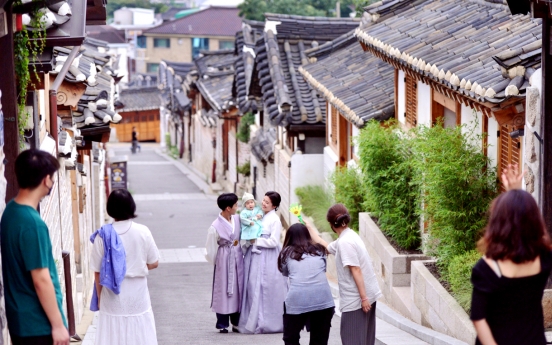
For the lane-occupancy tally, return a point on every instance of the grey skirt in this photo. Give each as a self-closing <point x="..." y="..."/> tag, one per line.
<point x="358" y="327"/>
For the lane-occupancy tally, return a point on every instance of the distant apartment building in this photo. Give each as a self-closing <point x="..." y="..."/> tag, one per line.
<point x="181" y="40"/>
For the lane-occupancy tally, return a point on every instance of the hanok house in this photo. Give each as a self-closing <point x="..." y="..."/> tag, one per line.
<point x="245" y="92"/>
<point x="176" y="106"/>
<point x="214" y="118"/>
<point x="290" y="105"/>
<point x="85" y="106"/>
<point x="462" y="63"/>
<point x="358" y="87"/>
<point x="140" y="108"/>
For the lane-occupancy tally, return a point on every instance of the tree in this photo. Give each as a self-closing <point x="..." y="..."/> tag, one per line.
<point x="255" y="9"/>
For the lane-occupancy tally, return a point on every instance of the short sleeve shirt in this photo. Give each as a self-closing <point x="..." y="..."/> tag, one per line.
<point x="349" y="250"/>
<point x="140" y="248"/>
<point x="26" y="246"/>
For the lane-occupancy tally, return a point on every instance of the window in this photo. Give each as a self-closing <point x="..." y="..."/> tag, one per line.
<point x="226" y="44"/>
<point x="153" y="67"/>
<point x="411" y="88"/>
<point x="161" y="42"/>
<point x="199" y="44"/>
<point x="141" y="42"/>
<point x="509" y="150"/>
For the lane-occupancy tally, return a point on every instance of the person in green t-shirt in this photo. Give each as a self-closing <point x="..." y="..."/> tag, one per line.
<point x="32" y="293"/>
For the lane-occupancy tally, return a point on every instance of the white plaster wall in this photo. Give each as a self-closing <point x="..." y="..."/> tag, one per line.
<point x="305" y="171"/>
<point x="330" y="160"/>
<point x="492" y="141"/>
<point x="202" y="149"/>
<point x="122" y="16"/>
<point x="472" y="123"/>
<point x="424" y="104"/>
<point x="232" y="162"/>
<point x="401" y="97"/>
<point x="282" y="175"/>
<point x="354" y="137"/>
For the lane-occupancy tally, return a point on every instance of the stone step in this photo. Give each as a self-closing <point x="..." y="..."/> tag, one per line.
<point x="386" y="334"/>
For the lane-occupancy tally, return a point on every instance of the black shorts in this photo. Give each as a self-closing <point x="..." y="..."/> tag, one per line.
<point x="40" y="340"/>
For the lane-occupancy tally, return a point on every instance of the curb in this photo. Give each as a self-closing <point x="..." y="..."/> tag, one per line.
<point x="423" y="333"/>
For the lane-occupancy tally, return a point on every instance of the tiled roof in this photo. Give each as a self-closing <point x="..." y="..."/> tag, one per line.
<point x="212" y="21"/>
<point x="245" y="50"/>
<point x="171" y="75"/>
<point x="475" y="47"/>
<point x="262" y="144"/>
<point x="288" y="98"/>
<point x="213" y="77"/>
<point x="105" y="33"/>
<point x="140" y="99"/>
<point x="93" y="69"/>
<point x="357" y="83"/>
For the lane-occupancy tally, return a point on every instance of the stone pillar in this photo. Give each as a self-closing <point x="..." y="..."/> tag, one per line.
<point x="532" y="152"/>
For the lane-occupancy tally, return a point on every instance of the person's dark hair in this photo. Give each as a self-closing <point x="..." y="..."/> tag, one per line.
<point x="227" y="200"/>
<point x="338" y="216"/>
<point x="121" y="205"/>
<point x="298" y="242"/>
<point x="275" y="198"/>
<point x="32" y="166"/>
<point x="516" y="229"/>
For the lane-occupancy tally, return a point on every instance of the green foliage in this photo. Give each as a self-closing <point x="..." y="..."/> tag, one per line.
<point x="360" y="4"/>
<point x="28" y="45"/>
<point x="113" y="5"/>
<point x="255" y="9"/>
<point x="457" y="188"/>
<point x="245" y="169"/>
<point x="392" y="196"/>
<point x="458" y="275"/>
<point x="316" y="202"/>
<point x="349" y="190"/>
<point x="244" y="130"/>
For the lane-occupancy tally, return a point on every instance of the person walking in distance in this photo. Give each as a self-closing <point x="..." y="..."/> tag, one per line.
<point x="135" y="144"/>
<point x="309" y="299"/>
<point x="358" y="286"/>
<point x="224" y="252"/>
<point x="509" y="280"/>
<point x="32" y="291"/>
<point x="123" y="253"/>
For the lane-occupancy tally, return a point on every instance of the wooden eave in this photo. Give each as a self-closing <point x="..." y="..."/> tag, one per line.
<point x="96" y="12"/>
<point x="509" y="112"/>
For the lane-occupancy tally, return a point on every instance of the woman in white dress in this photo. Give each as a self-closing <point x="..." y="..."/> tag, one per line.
<point x="126" y="318"/>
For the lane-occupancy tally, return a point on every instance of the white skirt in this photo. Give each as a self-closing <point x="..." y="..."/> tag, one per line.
<point x="126" y="318"/>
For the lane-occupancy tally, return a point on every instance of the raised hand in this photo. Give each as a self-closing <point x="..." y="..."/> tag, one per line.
<point x="511" y="179"/>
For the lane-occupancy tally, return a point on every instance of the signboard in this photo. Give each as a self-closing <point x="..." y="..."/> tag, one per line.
<point x="119" y="175"/>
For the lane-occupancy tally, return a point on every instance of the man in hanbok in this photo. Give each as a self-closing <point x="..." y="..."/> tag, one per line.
<point x="225" y="253"/>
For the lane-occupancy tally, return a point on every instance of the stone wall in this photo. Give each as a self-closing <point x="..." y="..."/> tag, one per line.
<point x="4" y="337"/>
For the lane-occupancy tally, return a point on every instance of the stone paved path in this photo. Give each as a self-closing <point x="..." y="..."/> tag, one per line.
<point x="178" y="213"/>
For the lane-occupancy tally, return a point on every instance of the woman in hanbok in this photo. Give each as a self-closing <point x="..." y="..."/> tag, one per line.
<point x="265" y="288"/>
<point x="123" y="253"/>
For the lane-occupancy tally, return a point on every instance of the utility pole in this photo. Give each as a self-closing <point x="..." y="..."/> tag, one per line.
<point x="338" y="9"/>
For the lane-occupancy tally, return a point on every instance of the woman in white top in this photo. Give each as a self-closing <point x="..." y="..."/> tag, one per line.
<point x="358" y="286"/>
<point x="126" y="318"/>
<point x="265" y="288"/>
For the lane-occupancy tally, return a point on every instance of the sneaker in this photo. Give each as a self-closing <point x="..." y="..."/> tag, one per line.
<point x="235" y="329"/>
<point x="223" y="330"/>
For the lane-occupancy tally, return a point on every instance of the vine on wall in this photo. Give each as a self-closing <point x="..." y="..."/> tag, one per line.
<point x="29" y="43"/>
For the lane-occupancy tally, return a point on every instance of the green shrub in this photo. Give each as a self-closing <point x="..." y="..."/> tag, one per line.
<point x="316" y="202"/>
<point x="458" y="275"/>
<point x="244" y="130"/>
<point x="245" y="169"/>
<point x="457" y="187"/>
<point x="348" y="188"/>
<point x="392" y="197"/>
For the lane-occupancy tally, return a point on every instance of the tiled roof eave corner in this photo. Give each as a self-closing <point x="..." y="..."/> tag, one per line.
<point x="329" y="96"/>
<point x="411" y="64"/>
